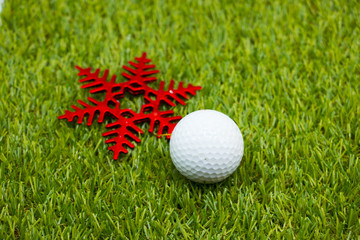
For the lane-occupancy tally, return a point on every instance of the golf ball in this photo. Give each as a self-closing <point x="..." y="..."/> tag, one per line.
<point x="206" y="146"/>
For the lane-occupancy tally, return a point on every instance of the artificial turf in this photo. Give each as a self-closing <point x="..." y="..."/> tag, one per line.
<point x="287" y="72"/>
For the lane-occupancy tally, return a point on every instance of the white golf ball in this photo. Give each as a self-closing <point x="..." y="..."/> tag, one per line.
<point x="206" y="146"/>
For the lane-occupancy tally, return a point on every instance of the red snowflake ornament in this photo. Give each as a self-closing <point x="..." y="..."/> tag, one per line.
<point x="124" y="128"/>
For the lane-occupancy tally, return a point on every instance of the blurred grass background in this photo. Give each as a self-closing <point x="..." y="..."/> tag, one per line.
<point x="286" y="71"/>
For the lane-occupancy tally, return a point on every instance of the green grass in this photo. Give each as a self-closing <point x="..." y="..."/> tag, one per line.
<point x="287" y="72"/>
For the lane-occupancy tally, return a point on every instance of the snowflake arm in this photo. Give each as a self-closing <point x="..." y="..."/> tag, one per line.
<point x="88" y="110"/>
<point x="172" y="94"/>
<point x="94" y="81"/>
<point x="139" y="75"/>
<point x="123" y="134"/>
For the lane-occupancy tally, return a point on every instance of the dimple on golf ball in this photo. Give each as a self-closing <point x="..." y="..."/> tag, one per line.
<point x="206" y="146"/>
